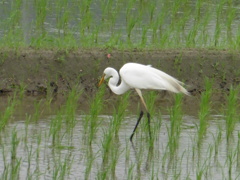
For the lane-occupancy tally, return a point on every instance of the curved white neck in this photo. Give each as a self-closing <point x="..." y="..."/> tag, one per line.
<point x="122" y="88"/>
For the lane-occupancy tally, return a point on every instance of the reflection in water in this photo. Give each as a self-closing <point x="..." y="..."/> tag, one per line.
<point x="28" y="150"/>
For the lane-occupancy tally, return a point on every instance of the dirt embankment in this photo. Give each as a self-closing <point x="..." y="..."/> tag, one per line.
<point x="50" y="71"/>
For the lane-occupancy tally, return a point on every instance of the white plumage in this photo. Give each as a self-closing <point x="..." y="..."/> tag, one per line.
<point x="138" y="76"/>
<point x="146" y="77"/>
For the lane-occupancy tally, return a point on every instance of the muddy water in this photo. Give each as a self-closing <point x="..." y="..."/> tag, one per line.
<point x="39" y="158"/>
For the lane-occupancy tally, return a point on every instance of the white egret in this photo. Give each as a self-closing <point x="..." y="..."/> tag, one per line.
<point x="138" y="76"/>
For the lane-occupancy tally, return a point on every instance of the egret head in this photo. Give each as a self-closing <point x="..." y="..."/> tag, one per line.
<point x="106" y="75"/>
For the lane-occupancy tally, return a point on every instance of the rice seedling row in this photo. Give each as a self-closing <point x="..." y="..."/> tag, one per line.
<point x="119" y="24"/>
<point x="75" y="144"/>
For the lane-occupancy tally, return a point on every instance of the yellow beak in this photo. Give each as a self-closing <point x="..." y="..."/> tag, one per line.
<point x="101" y="81"/>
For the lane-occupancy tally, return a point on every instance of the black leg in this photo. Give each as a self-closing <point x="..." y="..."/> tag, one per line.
<point x="139" y="119"/>
<point x="149" y="128"/>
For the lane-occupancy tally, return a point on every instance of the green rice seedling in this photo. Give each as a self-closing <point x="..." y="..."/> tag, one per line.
<point x="86" y="17"/>
<point x="231" y="156"/>
<point x="107" y="144"/>
<point x="63" y="18"/>
<point x="217" y="140"/>
<point x="70" y="107"/>
<point x="5" y="173"/>
<point x="204" y="36"/>
<point x="144" y="36"/>
<point x="95" y="35"/>
<point x="169" y="23"/>
<point x="15" y="169"/>
<point x="3" y="57"/>
<point x="238" y="150"/>
<point x="129" y="7"/>
<point x="131" y="22"/>
<point x="177" y="64"/>
<point x="204" y="110"/>
<point x="62" y="167"/>
<point x="4" y="155"/>
<point x="157" y="25"/>
<point x="37" y="112"/>
<point x="68" y="42"/>
<point x="15" y="162"/>
<point x="66" y="166"/>
<point x="230" y="17"/>
<point x="110" y="148"/>
<point x="231" y="111"/>
<point x="15" y="141"/>
<point x="114" y="160"/>
<point x="201" y="169"/>
<point x="92" y="120"/>
<point x="150" y="100"/>
<point x="30" y="154"/>
<point x="111" y="153"/>
<point x="114" y="41"/>
<point x="13" y="36"/>
<point x="155" y="129"/>
<point x="41" y="13"/>
<point x="236" y="43"/>
<point x="164" y="42"/>
<point x="90" y="158"/>
<point x="110" y="10"/>
<point x="218" y="20"/>
<point x="21" y="91"/>
<point x="198" y="7"/>
<point x="154" y="27"/>
<point x="139" y="153"/>
<point x="217" y="33"/>
<point x="8" y="112"/>
<point x="27" y="121"/>
<point x="191" y="38"/>
<point x="179" y="20"/>
<point x="15" y="15"/>
<point x="181" y="24"/>
<point x="165" y="154"/>
<point x="130" y="174"/>
<point x="103" y="173"/>
<point x="176" y="121"/>
<point x="120" y="112"/>
<point x="39" y="140"/>
<point x="152" y="9"/>
<point x="55" y="128"/>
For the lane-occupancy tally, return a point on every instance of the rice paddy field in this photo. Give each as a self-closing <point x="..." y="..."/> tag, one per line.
<point x="87" y="134"/>
<point x="120" y="24"/>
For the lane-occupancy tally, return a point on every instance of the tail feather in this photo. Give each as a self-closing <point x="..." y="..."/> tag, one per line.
<point x="176" y="86"/>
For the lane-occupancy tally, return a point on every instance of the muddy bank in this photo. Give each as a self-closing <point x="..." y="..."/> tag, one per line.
<point x="54" y="72"/>
<point x="41" y="71"/>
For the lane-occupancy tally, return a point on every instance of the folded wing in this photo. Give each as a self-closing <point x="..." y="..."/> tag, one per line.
<point x="146" y="77"/>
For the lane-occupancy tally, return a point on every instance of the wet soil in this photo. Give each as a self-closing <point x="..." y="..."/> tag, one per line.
<point x="55" y="72"/>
